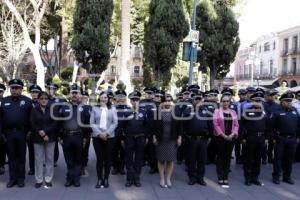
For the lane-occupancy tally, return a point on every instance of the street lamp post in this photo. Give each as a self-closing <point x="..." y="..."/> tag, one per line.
<point x="193" y="51"/>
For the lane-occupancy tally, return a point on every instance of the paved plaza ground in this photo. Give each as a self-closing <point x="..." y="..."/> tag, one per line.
<point x="150" y="189"/>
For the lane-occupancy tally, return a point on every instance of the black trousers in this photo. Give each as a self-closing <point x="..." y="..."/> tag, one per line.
<point x="118" y="154"/>
<point x="224" y="151"/>
<point x="151" y="154"/>
<point x="56" y="152"/>
<point x="134" y="156"/>
<point x="103" y="151"/>
<point x="30" y="153"/>
<point x="253" y="150"/>
<point x="238" y="149"/>
<point x="85" y="152"/>
<point x="2" y="151"/>
<point x="212" y="150"/>
<point x="284" y="154"/>
<point x="16" y="151"/>
<point x="72" y="147"/>
<point x="182" y="149"/>
<point x="196" y="158"/>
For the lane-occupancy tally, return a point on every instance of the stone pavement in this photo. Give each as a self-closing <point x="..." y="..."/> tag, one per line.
<point x="150" y="189"/>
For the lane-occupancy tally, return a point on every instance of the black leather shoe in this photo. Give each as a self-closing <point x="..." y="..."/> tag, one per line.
<point x="77" y="184"/>
<point x="122" y="172"/>
<point x="152" y="171"/>
<point x="114" y="172"/>
<point x="48" y="184"/>
<point x="247" y="182"/>
<point x="202" y="182"/>
<point x="106" y="184"/>
<point x="2" y="170"/>
<point x="30" y="172"/>
<point x="68" y="183"/>
<point x="276" y="181"/>
<point x="38" y="185"/>
<point x="191" y="182"/>
<point x="289" y="181"/>
<point x="11" y="183"/>
<point x="98" y="184"/>
<point x="137" y="184"/>
<point x="21" y="184"/>
<point x="257" y="182"/>
<point x="128" y="184"/>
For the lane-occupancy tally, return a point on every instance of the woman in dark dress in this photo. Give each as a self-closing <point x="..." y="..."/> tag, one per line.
<point x="167" y="139"/>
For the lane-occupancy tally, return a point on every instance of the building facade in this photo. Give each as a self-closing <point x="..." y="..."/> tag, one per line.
<point x="135" y="64"/>
<point x="263" y="57"/>
<point x="289" y="59"/>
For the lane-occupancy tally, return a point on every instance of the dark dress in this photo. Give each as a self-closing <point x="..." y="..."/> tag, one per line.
<point x="166" y="149"/>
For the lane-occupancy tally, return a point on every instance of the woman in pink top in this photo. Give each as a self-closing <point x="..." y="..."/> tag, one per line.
<point x="226" y="129"/>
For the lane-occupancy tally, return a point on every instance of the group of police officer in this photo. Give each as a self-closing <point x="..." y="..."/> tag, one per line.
<point x="268" y="131"/>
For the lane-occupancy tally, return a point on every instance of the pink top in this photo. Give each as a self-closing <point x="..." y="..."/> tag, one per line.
<point x="218" y="121"/>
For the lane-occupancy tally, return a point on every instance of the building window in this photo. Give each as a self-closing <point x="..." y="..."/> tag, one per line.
<point x="136" y="70"/>
<point x="286" y="45"/>
<point x="267" y="46"/>
<point x="271" y="67"/>
<point x="261" y="67"/>
<point x="274" y="45"/>
<point x="137" y="52"/>
<point x="295" y="43"/>
<point x="113" y="69"/>
<point x="284" y="67"/>
<point x="294" y="66"/>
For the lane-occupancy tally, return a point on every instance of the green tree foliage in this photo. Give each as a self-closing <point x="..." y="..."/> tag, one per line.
<point x="92" y="21"/>
<point x="139" y="14"/>
<point x="219" y="38"/>
<point x="165" y="30"/>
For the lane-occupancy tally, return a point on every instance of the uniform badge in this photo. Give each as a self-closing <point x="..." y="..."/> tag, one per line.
<point x="7" y="104"/>
<point x="56" y="100"/>
<point x="67" y="110"/>
<point x="203" y="112"/>
<point x="251" y="114"/>
<point x="80" y="109"/>
<point x="141" y="115"/>
<point x="22" y="103"/>
<point x="294" y="112"/>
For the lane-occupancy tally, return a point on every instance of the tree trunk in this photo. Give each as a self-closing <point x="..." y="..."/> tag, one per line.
<point x="212" y="76"/>
<point x="40" y="76"/>
<point x="125" y="45"/>
<point x="64" y="45"/>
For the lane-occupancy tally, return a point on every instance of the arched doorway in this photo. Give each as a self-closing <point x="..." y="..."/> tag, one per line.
<point x="293" y="83"/>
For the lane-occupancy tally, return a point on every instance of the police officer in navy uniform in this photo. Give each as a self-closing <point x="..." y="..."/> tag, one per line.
<point x="198" y="130"/>
<point x="119" y="152"/>
<point x="270" y="107"/>
<point x="135" y="134"/>
<point x="180" y="108"/>
<point x="55" y="99"/>
<point x="73" y="134"/>
<point x="254" y="136"/>
<point x="87" y="136"/>
<point x="152" y="107"/>
<point x="211" y="103"/>
<point x="286" y="126"/>
<point x="15" y="110"/>
<point x="238" y="146"/>
<point x="34" y="91"/>
<point x="2" y="141"/>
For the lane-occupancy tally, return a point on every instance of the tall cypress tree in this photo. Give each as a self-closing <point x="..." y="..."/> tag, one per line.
<point x="165" y="30"/>
<point x="92" y="21"/>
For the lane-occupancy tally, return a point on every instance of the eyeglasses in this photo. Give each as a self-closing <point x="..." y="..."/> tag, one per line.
<point x="213" y="95"/>
<point x="288" y="100"/>
<point x="186" y="93"/>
